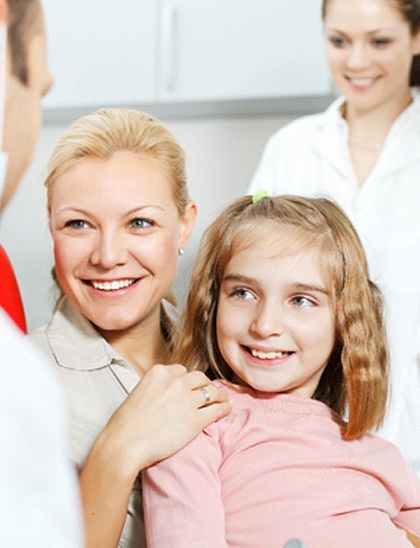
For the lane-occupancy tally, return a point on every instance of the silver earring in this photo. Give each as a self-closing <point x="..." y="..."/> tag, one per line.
<point x="181" y="251"/>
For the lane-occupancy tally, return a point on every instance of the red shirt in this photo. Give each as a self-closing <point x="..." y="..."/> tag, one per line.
<point x="10" y="299"/>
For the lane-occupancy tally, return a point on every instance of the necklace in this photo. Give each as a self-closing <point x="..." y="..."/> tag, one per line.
<point x="365" y="148"/>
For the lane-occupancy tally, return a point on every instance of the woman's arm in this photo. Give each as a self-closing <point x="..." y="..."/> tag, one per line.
<point x="164" y="412"/>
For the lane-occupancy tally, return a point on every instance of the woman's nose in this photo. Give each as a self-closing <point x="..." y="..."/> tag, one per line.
<point x="109" y="251"/>
<point x="357" y="57"/>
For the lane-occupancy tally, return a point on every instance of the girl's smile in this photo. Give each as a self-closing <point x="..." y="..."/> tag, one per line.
<point x="275" y="326"/>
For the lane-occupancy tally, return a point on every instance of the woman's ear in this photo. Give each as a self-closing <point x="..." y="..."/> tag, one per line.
<point x="187" y="223"/>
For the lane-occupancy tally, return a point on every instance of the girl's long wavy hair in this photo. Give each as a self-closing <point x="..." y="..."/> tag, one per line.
<point x="355" y="380"/>
<point x="410" y="11"/>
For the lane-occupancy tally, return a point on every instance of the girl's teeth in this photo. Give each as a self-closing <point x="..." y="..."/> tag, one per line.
<point x="268" y="355"/>
<point x="112" y="286"/>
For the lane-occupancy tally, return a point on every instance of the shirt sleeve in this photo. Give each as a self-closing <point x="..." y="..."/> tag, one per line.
<point x="39" y="497"/>
<point x="10" y="299"/>
<point x="409" y="515"/>
<point x="182" y="497"/>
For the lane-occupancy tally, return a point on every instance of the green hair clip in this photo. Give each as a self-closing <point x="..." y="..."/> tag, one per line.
<point x="258" y="195"/>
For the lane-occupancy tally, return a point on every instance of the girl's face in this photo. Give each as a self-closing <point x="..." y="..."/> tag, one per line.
<point x="369" y="49"/>
<point x="274" y="323"/>
<point x="116" y="232"/>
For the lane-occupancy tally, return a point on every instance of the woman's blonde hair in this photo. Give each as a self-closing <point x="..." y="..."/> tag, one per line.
<point x="107" y="131"/>
<point x="355" y="380"/>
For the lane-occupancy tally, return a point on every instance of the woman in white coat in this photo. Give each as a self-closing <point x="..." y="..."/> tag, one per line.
<point x="364" y="152"/>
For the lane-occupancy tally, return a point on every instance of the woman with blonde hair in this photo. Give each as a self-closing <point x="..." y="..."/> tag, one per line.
<point x="120" y="217"/>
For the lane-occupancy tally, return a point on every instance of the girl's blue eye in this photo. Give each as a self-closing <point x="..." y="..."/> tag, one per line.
<point x="77" y="223"/>
<point x="242" y="293"/>
<point x="303" y="302"/>
<point x="141" y="223"/>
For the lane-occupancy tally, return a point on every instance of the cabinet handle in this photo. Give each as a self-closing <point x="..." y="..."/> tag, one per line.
<point x="169" y="47"/>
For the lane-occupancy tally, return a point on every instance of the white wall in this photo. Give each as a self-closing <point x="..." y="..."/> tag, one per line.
<point x="221" y="158"/>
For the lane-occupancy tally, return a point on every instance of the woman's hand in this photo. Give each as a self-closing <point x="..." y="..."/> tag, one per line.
<point x="165" y="411"/>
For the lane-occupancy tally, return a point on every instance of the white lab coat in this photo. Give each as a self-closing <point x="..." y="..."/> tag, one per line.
<point x="310" y="157"/>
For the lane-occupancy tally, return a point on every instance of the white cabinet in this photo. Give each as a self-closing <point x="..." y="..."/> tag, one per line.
<point x="179" y="51"/>
<point x="101" y="52"/>
<point x="241" y="49"/>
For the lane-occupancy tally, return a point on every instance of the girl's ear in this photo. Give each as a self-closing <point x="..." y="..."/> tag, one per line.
<point x="187" y="223"/>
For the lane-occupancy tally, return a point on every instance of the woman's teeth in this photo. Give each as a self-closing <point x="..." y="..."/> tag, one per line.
<point x="112" y="286"/>
<point x="362" y="82"/>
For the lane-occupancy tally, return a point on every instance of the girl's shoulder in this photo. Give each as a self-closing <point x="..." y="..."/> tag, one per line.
<point x="278" y="406"/>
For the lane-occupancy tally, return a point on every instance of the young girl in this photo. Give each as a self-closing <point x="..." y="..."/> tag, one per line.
<point x="364" y="153"/>
<point x="282" y="313"/>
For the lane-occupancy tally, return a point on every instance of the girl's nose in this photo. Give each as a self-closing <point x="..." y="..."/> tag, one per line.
<point x="269" y="321"/>
<point x="109" y="251"/>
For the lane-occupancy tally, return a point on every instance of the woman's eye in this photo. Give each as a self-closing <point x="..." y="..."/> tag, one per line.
<point x="141" y="223"/>
<point x="381" y="42"/>
<point x="302" y="301"/>
<point x="337" y="42"/>
<point x="77" y="223"/>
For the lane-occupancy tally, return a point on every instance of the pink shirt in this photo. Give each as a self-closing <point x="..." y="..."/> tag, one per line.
<point x="275" y="469"/>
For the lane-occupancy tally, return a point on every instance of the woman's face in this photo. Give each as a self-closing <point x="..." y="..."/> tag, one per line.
<point x="369" y="49"/>
<point x="116" y="232"/>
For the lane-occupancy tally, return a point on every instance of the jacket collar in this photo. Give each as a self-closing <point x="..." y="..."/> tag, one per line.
<point x="74" y="341"/>
<point x="76" y="344"/>
<point x="398" y="152"/>
<point x="331" y="136"/>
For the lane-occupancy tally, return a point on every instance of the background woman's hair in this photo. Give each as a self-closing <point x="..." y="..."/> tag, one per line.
<point x="355" y="380"/>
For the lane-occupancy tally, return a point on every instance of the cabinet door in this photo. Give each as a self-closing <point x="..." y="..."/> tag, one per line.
<point x="101" y="53"/>
<point x="241" y="49"/>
